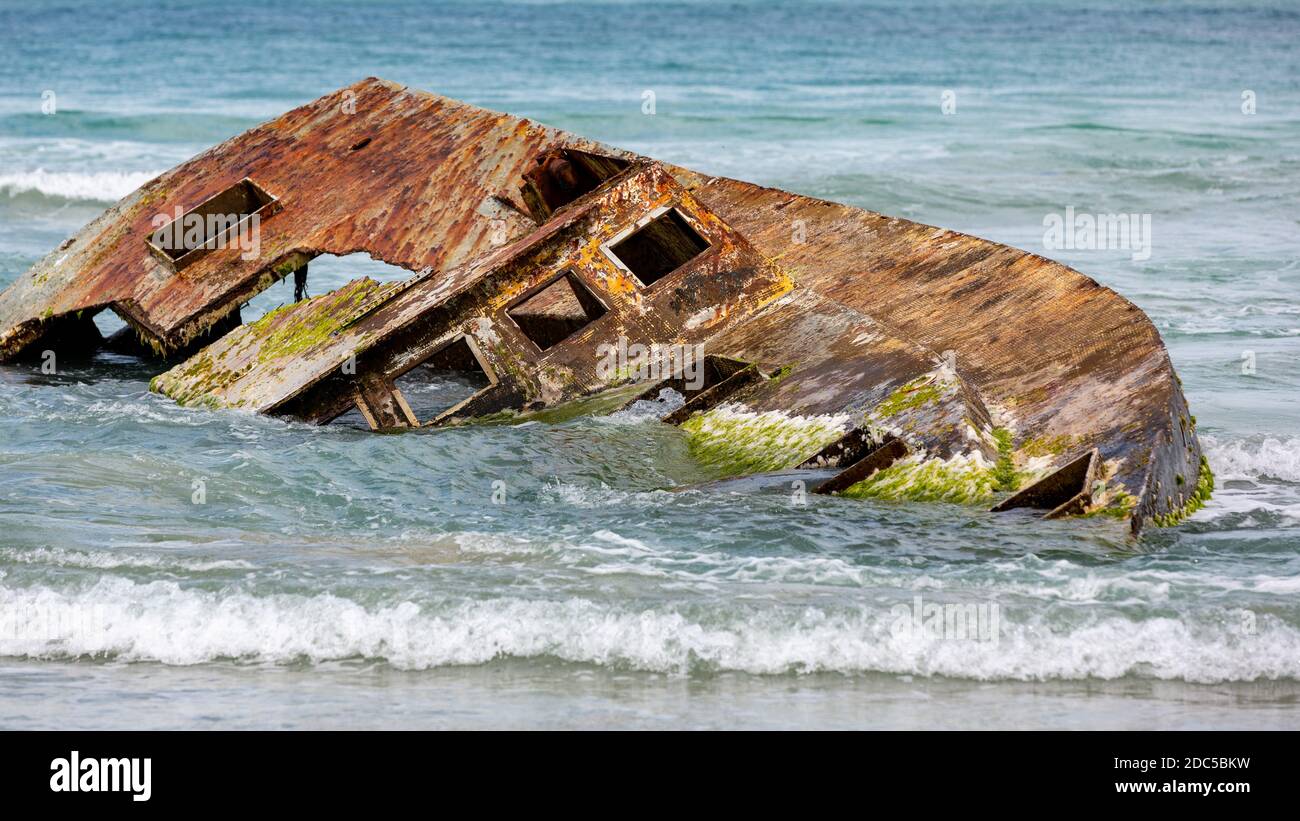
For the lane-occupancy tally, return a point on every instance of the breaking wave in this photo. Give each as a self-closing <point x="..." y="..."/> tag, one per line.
<point x="95" y="186"/>
<point x="164" y="622"/>
<point x="106" y="560"/>
<point x="1266" y="459"/>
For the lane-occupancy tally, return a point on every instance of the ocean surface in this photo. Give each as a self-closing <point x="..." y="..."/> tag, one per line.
<point x="164" y="567"/>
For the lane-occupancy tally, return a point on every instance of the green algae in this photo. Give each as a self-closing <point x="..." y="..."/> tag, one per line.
<point x="781" y="373"/>
<point x="1120" y="506"/>
<point x="920" y="391"/>
<point x="196" y="382"/>
<point x="960" y="479"/>
<point x="509" y="416"/>
<point x="1005" y="475"/>
<point x="1204" y="490"/>
<point x="738" y="441"/>
<point x="294" y="328"/>
<point x="284" y="332"/>
<point x="1047" y="445"/>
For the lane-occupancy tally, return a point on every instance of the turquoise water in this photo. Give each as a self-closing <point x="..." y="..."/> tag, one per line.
<point x="334" y="578"/>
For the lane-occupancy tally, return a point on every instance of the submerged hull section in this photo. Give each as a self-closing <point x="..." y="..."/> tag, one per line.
<point x="910" y="361"/>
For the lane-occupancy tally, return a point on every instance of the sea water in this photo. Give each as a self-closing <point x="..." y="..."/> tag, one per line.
<point x="165" y="567"/>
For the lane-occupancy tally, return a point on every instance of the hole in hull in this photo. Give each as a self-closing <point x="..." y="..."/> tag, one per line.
<point x="562" y="176"/>
<point x="659" y="247"/>
<point x="871" y="460"/>
<point x="557" y="311"/>
<point x="445" y="380"/>
<point x="324" y="273"/>
<point x="706" y="374"/>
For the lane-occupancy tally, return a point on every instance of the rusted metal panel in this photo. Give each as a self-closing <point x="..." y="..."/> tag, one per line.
<point x="957" y="345"/>
<point x="414" y="179"/>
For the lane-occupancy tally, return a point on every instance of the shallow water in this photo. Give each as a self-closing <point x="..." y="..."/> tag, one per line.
<point x="170" y="567"/>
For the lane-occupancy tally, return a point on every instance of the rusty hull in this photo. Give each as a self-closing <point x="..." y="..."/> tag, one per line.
<point x="900" y="339"/>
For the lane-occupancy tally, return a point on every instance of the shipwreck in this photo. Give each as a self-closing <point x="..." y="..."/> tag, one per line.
<point x="891" y="359"/>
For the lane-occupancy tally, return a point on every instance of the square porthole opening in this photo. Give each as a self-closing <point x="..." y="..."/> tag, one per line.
<point x="659" y="247"/>
<point x="557" y="311"/>
<point x="448" y="378"/>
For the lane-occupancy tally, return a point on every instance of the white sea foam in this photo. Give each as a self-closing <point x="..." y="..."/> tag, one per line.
<point x="108" y="560"/>
<point x="95" y="186"/>
<point x="478" y="542"/>
<point x="165" y="622"/>
<point x="1229" y="502"/>
<point x="645" y="410"/>
<point x="1267" y="459"/>
<point x="585" y="496"/>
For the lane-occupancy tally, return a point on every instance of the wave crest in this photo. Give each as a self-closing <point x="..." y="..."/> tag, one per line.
<point x="95" y="186"/>
<point x="164" y="622"/>
<point x="1267" y="459"/>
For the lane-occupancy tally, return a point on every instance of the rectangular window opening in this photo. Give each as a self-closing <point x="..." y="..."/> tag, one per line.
<point x="557" y="311"/>
<point x="562" y="176"/>
<point x="659" y="247"/>
<point x="223" y="220"/>
<point x="445" y="380"/>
